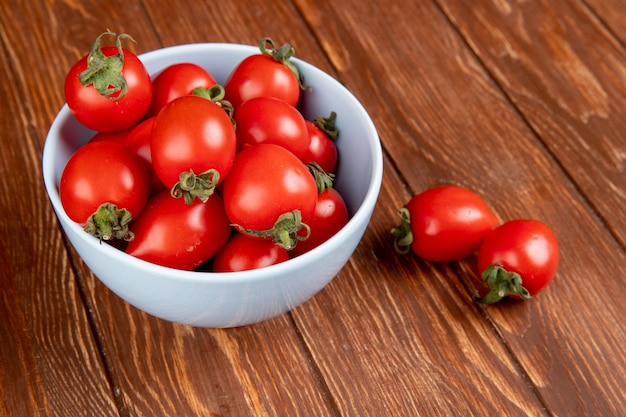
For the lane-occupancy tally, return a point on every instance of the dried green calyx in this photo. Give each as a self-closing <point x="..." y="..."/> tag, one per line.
<point x="105" y="72"/>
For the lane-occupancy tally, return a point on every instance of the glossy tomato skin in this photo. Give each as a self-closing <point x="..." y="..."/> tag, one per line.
<point x="449" y="223"/>
<point x="331" y="214"/>
<point x="270" y="120"/>
<point x="177" y="235"/>
<point x="261" y="75"/>
<point x="139" y="140"/>
<point x="192" y="133"/>
<point x="265" y="182"/>
<point x="103" y="172"/>
<point x="321" y="150"/>
<point x="243" y="253"/>
<point x="526" y="246"/>
<point x="175" y="81"/>
<point x="100" y="113"/>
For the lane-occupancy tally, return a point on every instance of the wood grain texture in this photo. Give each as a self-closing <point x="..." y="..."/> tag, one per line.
<point x="48" y="356"/>
<point x="456" y="108"/>
<point x="573" y="96"/>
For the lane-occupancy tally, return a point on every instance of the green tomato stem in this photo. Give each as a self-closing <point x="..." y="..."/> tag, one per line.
<point x="109" y="222"/>
<point x="285" y="232"/>
<point x="201" y="186"/>
<point x="105" y="72"/>
<point x="502" y="283"/>
<point x="403" y="234"/>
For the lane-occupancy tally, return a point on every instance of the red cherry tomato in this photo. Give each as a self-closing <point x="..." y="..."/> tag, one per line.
<point x="270" y="120"/>
<point x="444" y="224"/>
<point x="139" y="139"/>
<point x="243" y="253"/>
<point x="178" y="235"/>
<point x="192" y="134"/>
<point x="322" y="150"/>
<point x="268" y="74"/>
<point x="175" y="81"/>
<point x="519" y="258"/>
<point x="124" y="96"/>
<point x="266" y="182"/>
<point x="103" y="172"/>
<point x="331" y="214"/>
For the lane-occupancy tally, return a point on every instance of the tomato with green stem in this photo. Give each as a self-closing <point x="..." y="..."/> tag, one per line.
<point x="518" y="259"/>
<point x="444" y="224"/>
<point x="270" y="73"/>
<point x="103" y="186"/>
<point x="109" y="89"/>
<point x="269" y="193"/>
<point x="193" y="146"/>
<point x="322" y="136"/>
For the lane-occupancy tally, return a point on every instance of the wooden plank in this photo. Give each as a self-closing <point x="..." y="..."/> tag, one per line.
<point x="48" y="357"/>
<point x="612" y="13"/>
<point x="443" y="119"/>
<point x="569" y="87"/>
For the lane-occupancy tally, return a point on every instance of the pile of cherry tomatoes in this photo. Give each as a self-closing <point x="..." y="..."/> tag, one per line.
<point x="517" y="258"/>
<point x="189" y="174"/>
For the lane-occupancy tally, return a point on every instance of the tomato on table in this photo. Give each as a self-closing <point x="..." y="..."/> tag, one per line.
<point x="270" y="74"/>
<point x="104" y="185"/>
<point x="270" y="120"/>
<point x="109" y="89"/>
<point x="244" y="253"/>
<point x="178" y="235"/>
<point x="444" y="224"/>
<point x="518" y="259"/>
<point x="175" y="81"/>
<point x="193" y="146"/>
<point x="270" y="193"/>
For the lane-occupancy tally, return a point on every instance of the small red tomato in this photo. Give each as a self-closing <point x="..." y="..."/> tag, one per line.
<point x="331" y="214"/>
<point x="139" y="139"/>
<point x="322" y="149"/>
<point x="175" y="81"/>
<point x="103" y="172"/>
<point x="265" y="184"/>
<point x="270" y="74"/>
<point x="519" y="259"/>
<point x="178" y="235"/>
<point x="444" y="224"/>
<point x="243" y="253"/>
<point x="193" y="135"/>
<point x="101" y="96"/>
<point x="270" y="120"/>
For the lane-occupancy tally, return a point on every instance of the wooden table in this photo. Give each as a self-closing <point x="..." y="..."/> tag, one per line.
<point x="522" y="101"/>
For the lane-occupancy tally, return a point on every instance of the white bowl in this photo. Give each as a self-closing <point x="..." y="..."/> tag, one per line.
<point x="206" y="299"/>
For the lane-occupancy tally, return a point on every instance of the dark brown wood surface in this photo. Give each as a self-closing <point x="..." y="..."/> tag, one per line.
<point x="523" y="102"/>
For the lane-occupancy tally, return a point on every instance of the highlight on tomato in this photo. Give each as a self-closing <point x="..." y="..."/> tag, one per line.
<point x="444" y="224"/>
<point x="177" y="80"/>
<point x="270" y="120"/>
<point x="109" y="89"/>
<point x="270" y="194"/>
<point x="270" y="73"/>
<point x="244" y="253"/>
<point x="104" y="186"/>
<point x="193" y="146"/>
<point x="518" y="259"/>
<point x="178" y="235"/>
